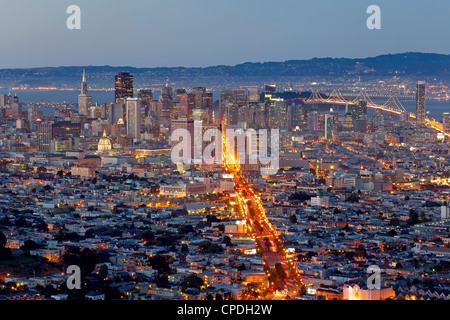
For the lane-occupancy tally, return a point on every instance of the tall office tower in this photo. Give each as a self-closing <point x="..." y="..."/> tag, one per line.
<point x="226" y="96"/>
<point x="84" y="99"/>
<point x="420" y="102"/>
<point x="321" y="121"/>
<point x="116" y="112"/>
<point x="253" y="95"/>
<point x="198" y="93"/>
<point x="359" y="110"/>
<point x="187" y="105"/>
<point x="133" y="122"/>
<point x="165" y="104"/>
<point x="5" y="100"/>
<point x="277" y="114"/>
<point x="290" y="116"/>
<point x="329" y="120"/>
<point x="123" y="85"/>
<point x="252" y="110"/>
<point x="95" y="112"/>
<point x="446" y="121"/>
<point x="48" y="131"/>
<point x="240" y="97"/>
<point x="33" y="115"/>
<point x="208" y="107"/>
<point x="379" y="121"/>
<point x="228" y="113"/>
<point x="269" y="94"/>
<point x="363" y="108"/>
<point x="44" y="136"/>
<point x="204" y="104"/>
<point x="348" y="122"/>
<point x="177" y="94"/>
<point x="299" y="117"/>
<point x="146" y="98"/>
<point x="313" y="120"/>
<point x="188" y="125"/>
<point x="16" y="108"/>
<point x="360" y="125"/>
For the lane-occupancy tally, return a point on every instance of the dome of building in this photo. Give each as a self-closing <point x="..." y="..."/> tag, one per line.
<point x="104" y="143"/>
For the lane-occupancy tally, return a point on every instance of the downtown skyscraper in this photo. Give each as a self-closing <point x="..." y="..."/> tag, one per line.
<point x="84" y="99"/>
<point x="123" y="86"/>
<point x="420" y="102"/>
<point x="133" y="117"/>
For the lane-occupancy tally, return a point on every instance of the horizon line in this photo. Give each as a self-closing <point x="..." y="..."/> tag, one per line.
<point x="229" y="65"/>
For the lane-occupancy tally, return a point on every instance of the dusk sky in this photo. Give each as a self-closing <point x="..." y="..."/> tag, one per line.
<point x="198" y="33"/>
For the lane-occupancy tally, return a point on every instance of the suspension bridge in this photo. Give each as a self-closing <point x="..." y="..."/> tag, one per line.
<point x="392" y="106"/>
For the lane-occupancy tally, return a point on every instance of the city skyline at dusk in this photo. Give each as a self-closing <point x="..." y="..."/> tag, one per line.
<point x="225" y="158"/>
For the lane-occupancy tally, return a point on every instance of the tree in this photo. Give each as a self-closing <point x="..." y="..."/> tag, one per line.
<point x="21" y="222"/>
<point x="394" y="221"/>
<point x="413" y="217"/>
<point x="353" y="198"/>
<point x="185" y="229"/>
<point x="3" y="240"/>
<point x="166" y="239"/>
<point x="113" y="232"/>
<point x="391" y="233"/>
<point x="29" y="245"/>
<point x="192" y="281"/>
<point x="5" y="221"/>
<point x="293" y="218"/>
<point x="162" y="281"/>
<point x="41" y="226"/>
<point x="86" y="259"/>
<point x="241" y="267"/>
<point x="209" y="247"/>
<point x="103" y="272"/>
<point x="41" y="170"/>
<point x="159" y="263"/>
<point x="184" y="248"/>
<point x="227" y="241"/>
<point x="300" y="196"/>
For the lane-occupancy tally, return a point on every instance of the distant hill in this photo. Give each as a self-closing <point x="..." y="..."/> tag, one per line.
<point x="411" y="64"/>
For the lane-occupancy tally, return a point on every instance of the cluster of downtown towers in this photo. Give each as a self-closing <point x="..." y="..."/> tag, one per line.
<point x="129" y="117"/>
